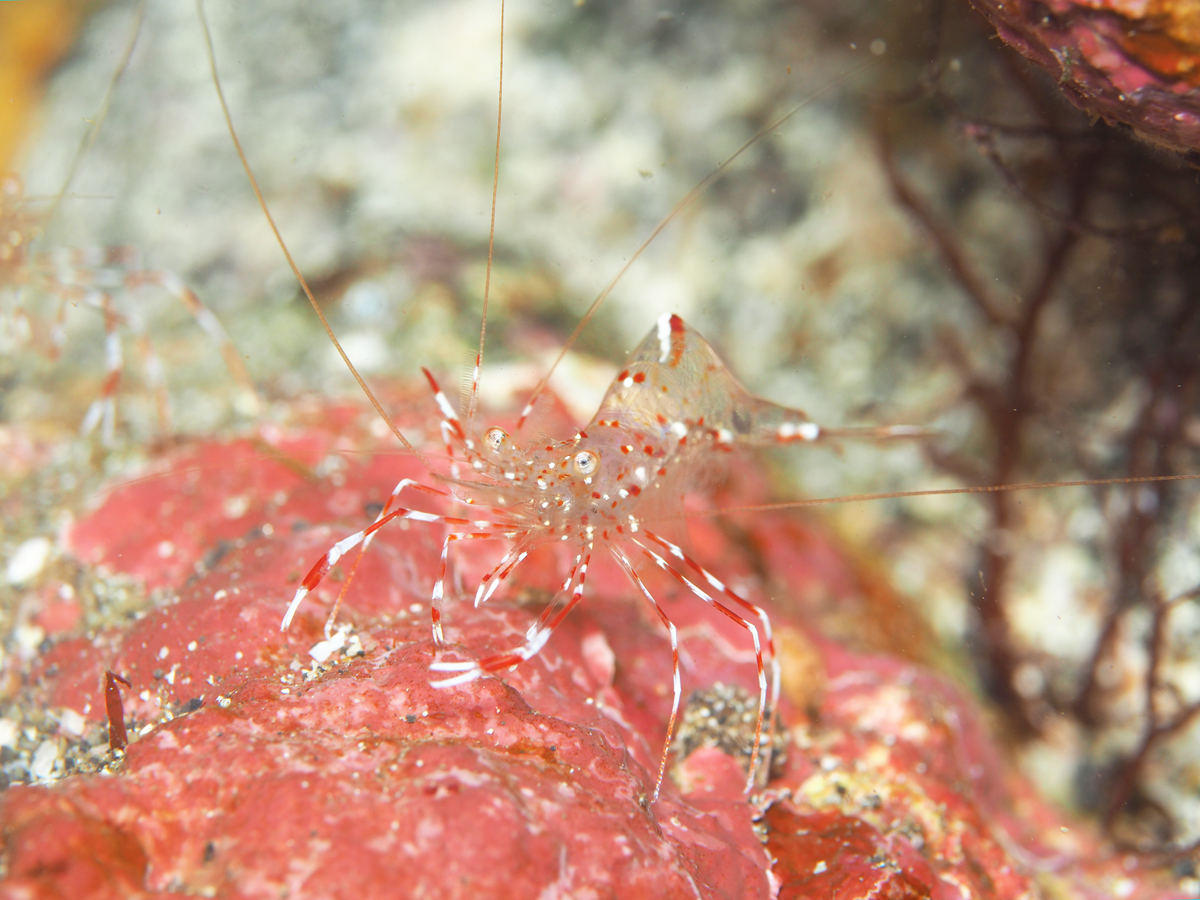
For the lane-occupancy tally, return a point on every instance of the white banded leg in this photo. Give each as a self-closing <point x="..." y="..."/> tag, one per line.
<point x="491" y="581"/>
<point x="439" y="590"/>
<point x="404" y="483"/>
<point x="103" y="408"/>
<point x="743" y="622"/>
<point x="759" y="613"/>
<point x="451" y="426"/>
<point x="625" y="564"/>
<point x="205" y="318"/>
<point x="448" y="440"/>
<point x="342" y="547"/>
<point x="536" y="636"/>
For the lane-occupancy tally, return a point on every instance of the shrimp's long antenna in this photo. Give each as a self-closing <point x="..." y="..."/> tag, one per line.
<point x="212" y="62"/>
<point x="89" y="137"/>
<point x="679" y="207"/>
<point x="936" y="492"/>
<point x="487" y="278"/>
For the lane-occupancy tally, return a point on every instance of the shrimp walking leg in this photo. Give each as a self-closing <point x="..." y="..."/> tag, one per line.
<point x="342" y="547"/>
<point x="676" y="685"/>
<point x="758" y="653"/>
<point x="758" y="611"/>
<point x="383" y="513"/>
<point x="439" y="590"/>
<point x="535" y="637"/>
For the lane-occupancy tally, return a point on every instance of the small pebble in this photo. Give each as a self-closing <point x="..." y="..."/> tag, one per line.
<point x="44" y="758"/>
<point x="72" y="722"/>
<point x="28" y="560"/>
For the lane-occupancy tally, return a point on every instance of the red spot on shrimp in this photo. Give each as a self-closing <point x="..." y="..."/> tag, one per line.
<point x="678" y="343"/>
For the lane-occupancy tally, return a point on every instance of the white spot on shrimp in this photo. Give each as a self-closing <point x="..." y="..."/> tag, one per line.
<point x="664" y="337"/>
<point x="807" y="431"/>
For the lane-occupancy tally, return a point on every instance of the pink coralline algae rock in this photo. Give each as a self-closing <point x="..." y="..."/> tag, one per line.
<point x="1130" y="61"/>
<point x="253" y="771"/>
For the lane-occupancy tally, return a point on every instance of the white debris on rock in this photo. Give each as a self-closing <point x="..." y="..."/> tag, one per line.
<point x="44" y="759"/>
<point x="28" y="560"/>
<point x="72" y="722"/>
<point x="8" y="733"/>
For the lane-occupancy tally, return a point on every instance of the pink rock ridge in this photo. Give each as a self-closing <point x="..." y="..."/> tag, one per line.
<point x="1131" y="61"/>
<point x="256" y="772"/>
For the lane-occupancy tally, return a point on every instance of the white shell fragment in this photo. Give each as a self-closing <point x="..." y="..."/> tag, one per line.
<point x="28" y="560"/>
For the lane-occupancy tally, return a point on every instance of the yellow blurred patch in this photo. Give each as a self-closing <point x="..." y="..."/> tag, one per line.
<point x="34" y="35"/>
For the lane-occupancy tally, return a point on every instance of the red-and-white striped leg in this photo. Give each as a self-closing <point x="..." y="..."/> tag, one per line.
<point x="450" y="419"/>
<point x="535" y="637"/>
<point x="156" y="379"/>
<point x="758" y="654"/>
<point x="758" y="611"/>
<point x="439" y="590"/>
<point x="208" y="322"/>
<point x="400" y="486"/>
<point x="338" y="550"/>
<point x="491" y="581"/>
<point x="448" y="440"/>
<point x="404" y="483"/>
<point x="103" y="408"/>
<point x="452" y="427"/>
<point x="625" y="564"/>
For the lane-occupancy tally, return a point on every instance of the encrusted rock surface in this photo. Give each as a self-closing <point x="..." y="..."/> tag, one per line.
<point x="1130" y="61"/>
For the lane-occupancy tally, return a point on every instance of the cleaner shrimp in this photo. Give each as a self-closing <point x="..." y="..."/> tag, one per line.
<point x="33" y="276"/>
<point x="508" y="507"/>
<point x="669" y="411"/>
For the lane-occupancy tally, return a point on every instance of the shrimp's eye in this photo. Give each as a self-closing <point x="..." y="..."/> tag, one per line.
<point x="586" y="462"/>
<point x="495" y="438"/>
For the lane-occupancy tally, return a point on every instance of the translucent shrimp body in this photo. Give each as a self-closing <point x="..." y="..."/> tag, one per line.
<point x="661" y="418"/>
<point x="665" y="419"/>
